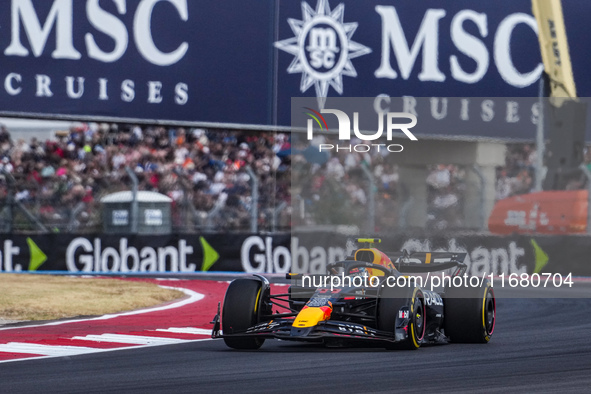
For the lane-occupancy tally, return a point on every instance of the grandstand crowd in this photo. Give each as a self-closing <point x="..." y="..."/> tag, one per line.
<point x="197" y="168"/>
<point x="341" y="179"/>
<point x="207" y="173"/>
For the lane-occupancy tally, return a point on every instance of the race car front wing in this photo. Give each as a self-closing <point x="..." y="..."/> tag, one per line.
<point x="283" y="329"/>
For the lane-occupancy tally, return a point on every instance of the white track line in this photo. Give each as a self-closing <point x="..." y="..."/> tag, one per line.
<point x="130" y="339"/>
<point x="97" y="350"/>
<point x="45" y="350"/>
<point x="186" y="330"/>
<point x="193" y="297"/>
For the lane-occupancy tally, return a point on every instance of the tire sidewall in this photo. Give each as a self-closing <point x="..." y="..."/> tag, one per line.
<point x="391" y="300"/>
<point x="241" y="310"/>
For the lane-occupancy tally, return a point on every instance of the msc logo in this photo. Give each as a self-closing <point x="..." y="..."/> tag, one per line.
<point x="322" y="48"/>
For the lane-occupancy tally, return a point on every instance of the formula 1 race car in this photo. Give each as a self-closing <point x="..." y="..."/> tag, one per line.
<point x="380" y="297"/>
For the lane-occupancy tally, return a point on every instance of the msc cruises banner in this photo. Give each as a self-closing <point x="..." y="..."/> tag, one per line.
<point x="239" y="62"/>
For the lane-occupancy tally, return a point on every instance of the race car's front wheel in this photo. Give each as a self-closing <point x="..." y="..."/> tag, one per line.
<point x="470" y="313"/>
<point x="241" y="311"/>
<point x="406" y="305"/>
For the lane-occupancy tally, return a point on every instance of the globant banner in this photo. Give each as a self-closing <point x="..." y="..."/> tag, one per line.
<point x="128" y="254"/>
<point x="238" y="63"/>
<point x="308" y="252"/>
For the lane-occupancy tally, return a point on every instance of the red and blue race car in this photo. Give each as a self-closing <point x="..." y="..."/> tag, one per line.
<point x="380" y="297"/>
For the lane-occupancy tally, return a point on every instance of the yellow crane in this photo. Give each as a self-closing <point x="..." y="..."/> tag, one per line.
<point x="553" y="210"/>
<point x="554" y="47"/>
<point x="565" y="128"/>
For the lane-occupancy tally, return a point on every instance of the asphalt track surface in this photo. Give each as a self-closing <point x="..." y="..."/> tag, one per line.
<point x="539" y="345"/>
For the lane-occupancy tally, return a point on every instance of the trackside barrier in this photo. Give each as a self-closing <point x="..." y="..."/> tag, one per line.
<point x="279" y="253"/>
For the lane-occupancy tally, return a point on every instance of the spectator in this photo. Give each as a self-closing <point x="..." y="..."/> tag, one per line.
<point x="203" y="167"/>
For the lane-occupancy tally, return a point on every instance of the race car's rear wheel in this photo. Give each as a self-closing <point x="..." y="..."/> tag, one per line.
<point x="241" y="310"/>
<point x="470" y="313"/>
<point x="391" y="302"/>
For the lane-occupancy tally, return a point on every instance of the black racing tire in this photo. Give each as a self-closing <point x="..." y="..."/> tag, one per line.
<point x="241" y="310"/>
<point x="390" y="301"/>
<point x="469" y="313"/>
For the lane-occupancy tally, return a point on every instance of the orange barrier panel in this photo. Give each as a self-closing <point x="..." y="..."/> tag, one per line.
<point x="547" y="212"/>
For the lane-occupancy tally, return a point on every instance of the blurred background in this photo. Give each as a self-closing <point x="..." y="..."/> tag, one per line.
<point x="128" y="121"/>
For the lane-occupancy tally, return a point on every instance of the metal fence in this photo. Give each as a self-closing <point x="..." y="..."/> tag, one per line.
<point x="370" y="191"/>
<point x="376" y="199"/>
<point x="381" y="198"/>
<point x="59" y="206"/>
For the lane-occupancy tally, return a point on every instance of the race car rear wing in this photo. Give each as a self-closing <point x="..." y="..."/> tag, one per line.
<point x="418" y="262"/>
<point x="415" y="262"/>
